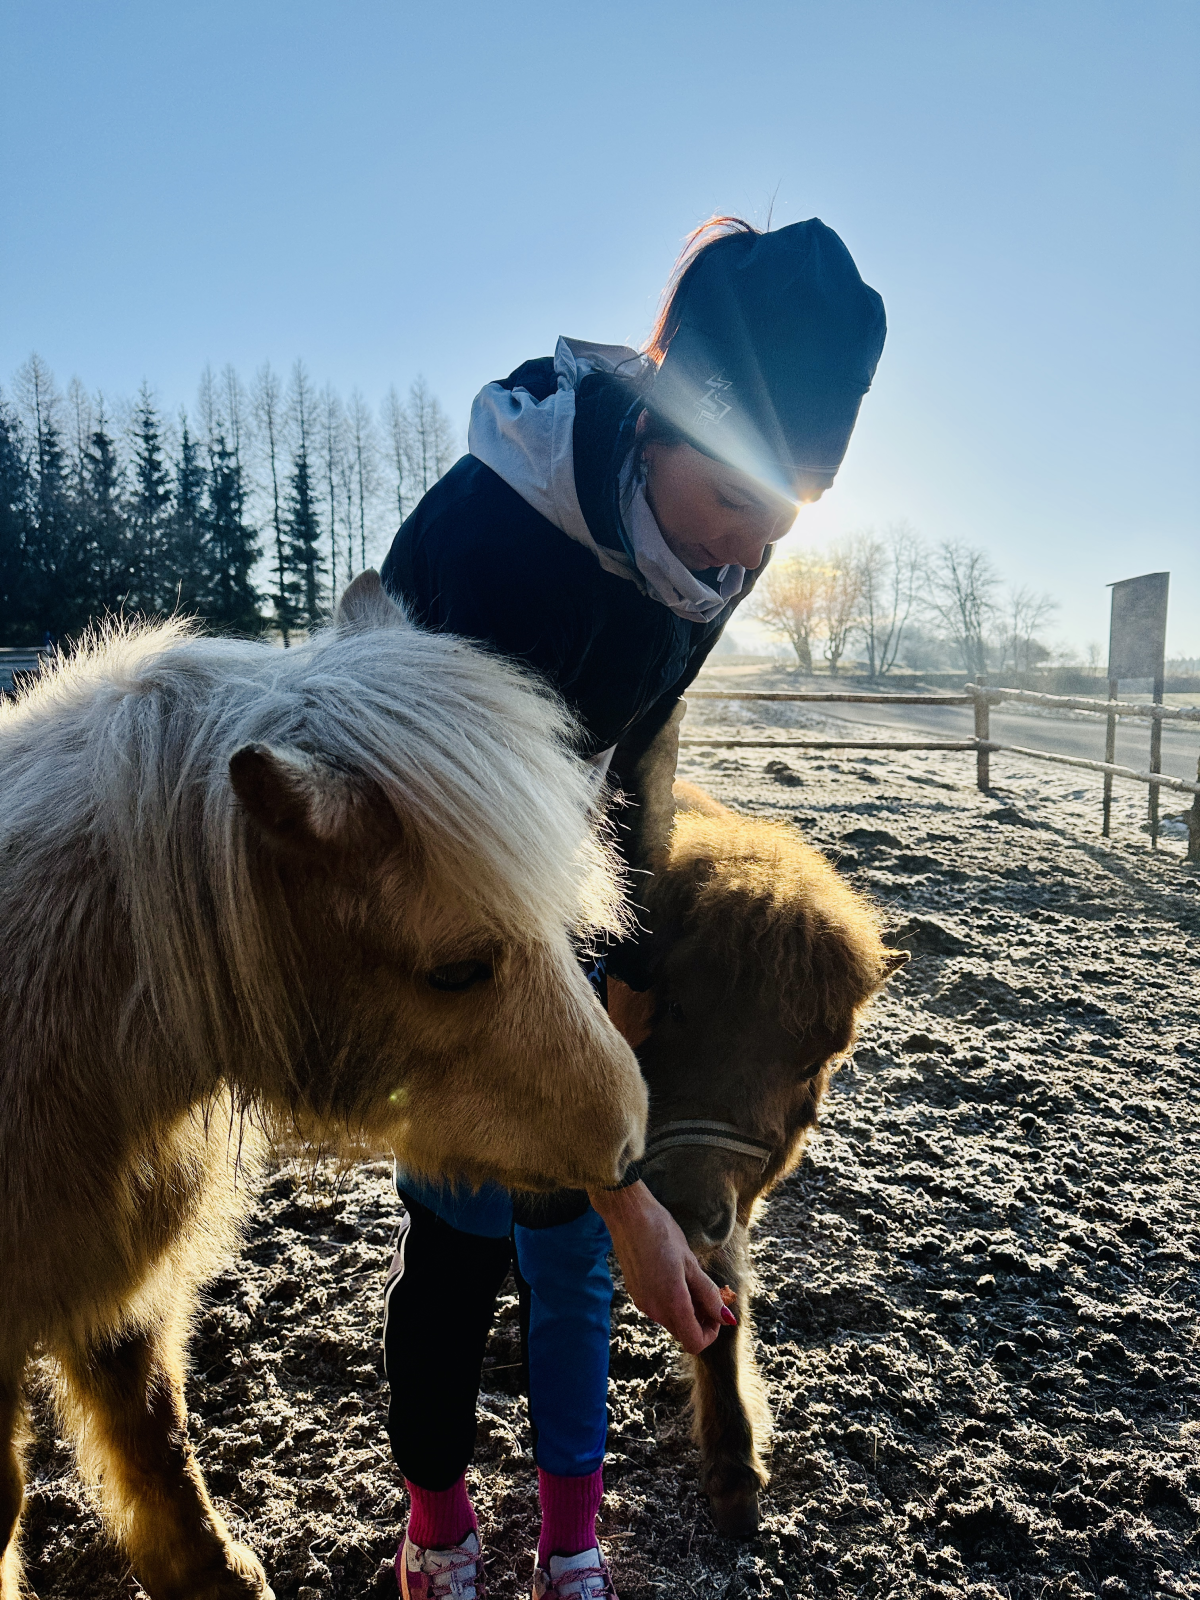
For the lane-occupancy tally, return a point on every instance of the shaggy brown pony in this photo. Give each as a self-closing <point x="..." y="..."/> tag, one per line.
<point x="762" y="960"/>
<point x="332" y="887"/>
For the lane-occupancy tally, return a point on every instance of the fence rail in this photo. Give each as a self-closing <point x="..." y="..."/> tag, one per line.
<point x="982" y="699"/>
<point x="817" y="696"/>
<point x="1159" y="780"/>
<point x="1057" y="702"/>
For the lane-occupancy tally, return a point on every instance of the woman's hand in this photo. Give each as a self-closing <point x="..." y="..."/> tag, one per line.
<point x="664" y="1279"/>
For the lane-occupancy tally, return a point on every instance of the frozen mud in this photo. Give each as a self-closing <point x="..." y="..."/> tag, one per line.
<point x="977" y="1314"/>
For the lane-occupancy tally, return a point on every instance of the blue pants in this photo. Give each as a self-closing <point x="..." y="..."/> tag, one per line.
<point x="439" y="1303"/>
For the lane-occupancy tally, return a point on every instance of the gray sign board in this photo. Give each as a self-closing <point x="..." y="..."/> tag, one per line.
<point x="1137" y="638"/>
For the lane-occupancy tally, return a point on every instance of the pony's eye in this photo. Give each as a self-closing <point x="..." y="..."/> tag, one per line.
<point x="459" y="975"/>
<point x="675" y="1011"/>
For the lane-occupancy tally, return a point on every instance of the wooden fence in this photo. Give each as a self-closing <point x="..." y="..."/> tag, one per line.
<point x="982" y="699"/>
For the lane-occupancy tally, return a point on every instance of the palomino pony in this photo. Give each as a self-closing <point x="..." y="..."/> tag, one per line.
<point x="762" y="959"/>
<point x="332" y="887"/>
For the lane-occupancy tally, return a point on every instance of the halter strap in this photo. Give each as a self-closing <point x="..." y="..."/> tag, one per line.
<point x="716" y="1135"/>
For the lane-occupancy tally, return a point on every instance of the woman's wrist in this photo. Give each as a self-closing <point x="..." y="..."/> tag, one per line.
<point x="626" y="1200"/>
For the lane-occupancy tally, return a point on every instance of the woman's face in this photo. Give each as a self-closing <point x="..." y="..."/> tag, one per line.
<point x="711" y="515"/>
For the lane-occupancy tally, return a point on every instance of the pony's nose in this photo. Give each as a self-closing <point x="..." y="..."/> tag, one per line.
<point x="717" y="1225"/>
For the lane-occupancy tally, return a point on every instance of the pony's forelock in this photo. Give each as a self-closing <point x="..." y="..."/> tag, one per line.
<point x="770" y="910"/>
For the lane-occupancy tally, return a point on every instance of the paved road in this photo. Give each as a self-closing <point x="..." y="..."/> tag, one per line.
<point x="1066" y="735"/>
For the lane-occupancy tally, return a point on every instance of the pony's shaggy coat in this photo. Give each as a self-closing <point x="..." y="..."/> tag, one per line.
<point x="332" y="886"/>
<point x="762" y="959"/>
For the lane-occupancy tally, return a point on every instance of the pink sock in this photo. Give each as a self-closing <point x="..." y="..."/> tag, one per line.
<point x="439" y="1518"/>
<point x="569" y="1507"/>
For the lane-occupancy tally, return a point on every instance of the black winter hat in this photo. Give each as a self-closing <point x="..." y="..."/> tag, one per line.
<point x="777" y="342"/>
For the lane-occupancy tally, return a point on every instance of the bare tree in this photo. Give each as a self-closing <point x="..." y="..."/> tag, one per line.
<point x="839" y="600"/>
<point x="346" y="486"/>
<point x="395" y="432"/>
<point x="268" y="413"/>
<point x="891" y="568"/>
<point x="364" y="447"/>
<point x="333" y="466"/>
<point x="236" y="413"/>
<point x="431" y="443"/>
<point x="1026" y="613"/>
<point x="419" y="444"/>
<point x="786" y="601"/>
<point x="961" y="595"/>
<point x="40" y="401"/>
<point x="80" y="407"/>
<point x="208" y="405"/>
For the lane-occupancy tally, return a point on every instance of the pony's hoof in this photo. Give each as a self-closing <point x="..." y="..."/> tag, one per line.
<point x="244" y="1578"/>
<point x="250" y="1571"/>
<point x="735" y="1511"/>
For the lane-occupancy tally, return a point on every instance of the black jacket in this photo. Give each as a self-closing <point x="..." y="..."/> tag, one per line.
<point x="476" y="559"/>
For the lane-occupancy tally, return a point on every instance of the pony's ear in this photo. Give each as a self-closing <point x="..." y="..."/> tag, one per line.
<point x="893" y="961"/>
<point x="294" y="799"/>
<point x="367" y="604"/>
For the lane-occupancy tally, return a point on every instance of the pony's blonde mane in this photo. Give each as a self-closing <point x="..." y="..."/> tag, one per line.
<point x="125" y="745"/>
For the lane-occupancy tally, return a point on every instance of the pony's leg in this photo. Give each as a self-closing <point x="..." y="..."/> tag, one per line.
<point x="727" y="1401"/>
<point x="127" y="1396"/>
<point x="12" y="1488"/>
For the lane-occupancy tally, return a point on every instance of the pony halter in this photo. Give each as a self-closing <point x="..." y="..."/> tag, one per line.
<point x="716" y="1135"/>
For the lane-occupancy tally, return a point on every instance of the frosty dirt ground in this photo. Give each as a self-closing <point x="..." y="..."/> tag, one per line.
<point x="978" y="1304"/>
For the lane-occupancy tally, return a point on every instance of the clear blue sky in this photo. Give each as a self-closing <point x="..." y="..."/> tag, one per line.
<point x="394" y="188"/>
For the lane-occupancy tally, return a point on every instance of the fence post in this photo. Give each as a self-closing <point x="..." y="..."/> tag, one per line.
<point x="1155" y="762"/>
<point x="1110" y="755"/>
<point x="1192" y="817"/>
<point x="982" y="731"/>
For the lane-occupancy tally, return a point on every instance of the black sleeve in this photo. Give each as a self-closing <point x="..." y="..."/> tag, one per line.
<point x="538" y="377"/>
<point x="643" y="770"/>
<point x="643" y="767"/>
<point x="476" y="560"/>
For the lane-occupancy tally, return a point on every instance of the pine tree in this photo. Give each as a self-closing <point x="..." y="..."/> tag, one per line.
<point x="154" y="584"/>
<point x="56" y="594"/>
<point x="306" y="570"/>
<point x="16" y="497"/>
<point x="189" y="528"/>
<point x="303" y="538"/>
<point x="231" y="600"/>
<point x="107" y="533"/>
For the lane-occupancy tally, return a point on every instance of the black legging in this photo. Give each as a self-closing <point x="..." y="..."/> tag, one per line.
<point x="435" y="1332"/>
